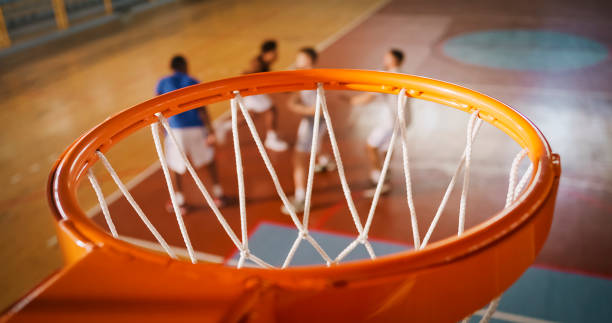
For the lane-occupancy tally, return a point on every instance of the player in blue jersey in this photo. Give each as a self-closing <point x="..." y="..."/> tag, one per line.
<point x="192" y="130"/>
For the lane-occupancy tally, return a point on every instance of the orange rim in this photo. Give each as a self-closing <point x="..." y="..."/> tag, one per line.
<point x="529" y="212"/>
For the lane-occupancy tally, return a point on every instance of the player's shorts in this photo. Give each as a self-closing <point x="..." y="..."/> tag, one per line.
<point x="304" y="135"/>
<point x="258" y="103"/>
<point x="193" y="142"/>
<point x="380" y="136"/>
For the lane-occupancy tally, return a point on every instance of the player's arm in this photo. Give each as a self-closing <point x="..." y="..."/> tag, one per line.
<point x="159" y="89"/>
<point x="296" y="105"/>
<point x="254" y="67"/>
<point x="206" y="120"/>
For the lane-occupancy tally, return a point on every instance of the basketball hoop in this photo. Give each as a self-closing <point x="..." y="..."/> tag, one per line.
<point x="439" y="281"/>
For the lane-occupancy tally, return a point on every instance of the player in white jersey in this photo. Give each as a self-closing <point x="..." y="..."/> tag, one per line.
<point x="304" y="104"/>
<point x="261" y="104"/>
<point x="379" y="137"/>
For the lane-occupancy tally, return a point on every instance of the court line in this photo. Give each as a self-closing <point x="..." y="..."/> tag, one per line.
<point x="352" y="25"/>
<point x="113" y="197"/>
<point x="331" y="211"/>
<point x="592" y="201"/>
<point x="181" y="252"/>
<point x="572" y="271"/>
<point x="514" y="317"/>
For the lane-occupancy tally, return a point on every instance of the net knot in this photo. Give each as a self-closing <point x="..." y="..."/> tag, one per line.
<point x="362" y="238"/>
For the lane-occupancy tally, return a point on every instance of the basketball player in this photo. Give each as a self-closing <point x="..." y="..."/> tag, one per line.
<point x="304" y="104"/>
<point x="379" y="137"/>
<point x="192" y="131"/>
<point x="261" y="104"/>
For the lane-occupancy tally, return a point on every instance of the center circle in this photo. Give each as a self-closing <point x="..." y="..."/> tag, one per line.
<point x="525" y="50"/>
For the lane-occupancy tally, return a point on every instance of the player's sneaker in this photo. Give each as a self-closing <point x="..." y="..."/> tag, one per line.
<point x="274" y="143"/>
<point x="170" y="208"/>
<point x="369" y="193"/>
<point x="220" y="201"/>
<point x="327" y="166"/>
<point x="298" y="206"/>
<point x="386" y="187"/>
<point x="180" y="200"/>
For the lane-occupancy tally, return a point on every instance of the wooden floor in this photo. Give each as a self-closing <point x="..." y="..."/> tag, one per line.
<point x="86" y="83"/>
<point x="52" y="95"/>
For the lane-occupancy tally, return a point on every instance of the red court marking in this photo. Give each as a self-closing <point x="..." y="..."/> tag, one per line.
<point x="595" y="202"/>
<point x="18" y="200"/>
<point x="333" y="209"/>
<point x="39" y="194"/>
<point x="327" y="214"/>
<point x="235" y="250"/>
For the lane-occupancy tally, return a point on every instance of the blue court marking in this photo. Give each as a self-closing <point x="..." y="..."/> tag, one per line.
<point x="540" y="294"/>
<point x="271" y="242"/>
<point x="560" y="296"/>
<point x="525" y="50"/>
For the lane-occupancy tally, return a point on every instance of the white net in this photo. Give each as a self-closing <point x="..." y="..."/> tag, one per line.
<point x="321" y="115"/>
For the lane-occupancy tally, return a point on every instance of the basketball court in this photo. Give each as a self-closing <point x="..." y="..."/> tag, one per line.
<point x="549" y="61"/>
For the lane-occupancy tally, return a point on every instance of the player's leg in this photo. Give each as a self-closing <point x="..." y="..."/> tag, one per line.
<point x="258" y="106"/>
<point x="263" y="106"/>
<point x="203" y="154"/>
<point x="374" y="160"/>
<point x="217" y="189"/>
<point x="300" y="166"/>
<point x="177" y="179"/>
<point x="377" y="142"/>
<point x="224" y="126"/>
<point x="325" y="163"/>
<point x="271" y="119"/>
<point x="177" y="168"/>
<point x="273" y="141"/>
<point x="301" y="159"/>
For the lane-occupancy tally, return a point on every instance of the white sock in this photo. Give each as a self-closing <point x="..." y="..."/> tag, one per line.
<point x="227" y="125"/>
<point x="180" y="199"/>
<point x="323" y="160"/>
<point x="375" y="175"/>
<point x="217" y="190"/>
<point x="271" y="134"/>
<point x="300" y="194"/>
